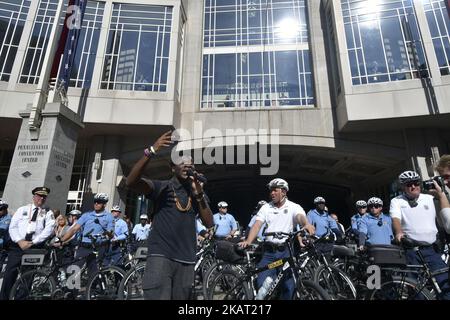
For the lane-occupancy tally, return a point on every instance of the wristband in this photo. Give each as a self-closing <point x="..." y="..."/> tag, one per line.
<point x="152" y="150"/>
<point x="147" y="153"/>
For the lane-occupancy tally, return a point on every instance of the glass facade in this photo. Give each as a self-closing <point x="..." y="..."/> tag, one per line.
<point x="383" y="40"/>
<point x="256" y="54"/>
<point x="137" y="53"/>
<point x="83" y="65"/>
<point x="38" y="42"/>
<point x="13" y="14"/>
<point x="439" y="24"/>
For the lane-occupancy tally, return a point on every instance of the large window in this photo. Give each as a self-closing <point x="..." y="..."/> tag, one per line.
<point x="254" y="22"/>
<point x="256" y="54"/>
<point x="83" y="66"/>
<point x="383" y="40"/>
<point x="137" y="54"/>
<point x="38" y="42"/>
<point x="439" y="23"/>
<point x="13" y="14"/>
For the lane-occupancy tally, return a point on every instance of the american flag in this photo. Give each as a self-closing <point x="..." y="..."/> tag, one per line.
<point x="69" y="38"/>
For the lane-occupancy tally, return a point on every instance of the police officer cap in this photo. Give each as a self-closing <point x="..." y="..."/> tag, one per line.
<point x="3" y="205"/>
<point x="143" y="216"/>
<point x="42" y="191"/>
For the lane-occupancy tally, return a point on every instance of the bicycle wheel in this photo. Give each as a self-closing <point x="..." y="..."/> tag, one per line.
<point x="335" y="282"/>
<point x="33" y="285"/>
<point x="212" y="272"/>
<point x="229" y="285"/>
<point x="400" y="288"/>
<point x="104" y="284"/>
<point x="130" y="287"/>
<point x="309" y="290"/>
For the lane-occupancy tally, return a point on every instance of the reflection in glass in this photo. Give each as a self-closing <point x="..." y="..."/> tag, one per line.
<point x="137" y="54"/>
<point x="378" y="42"/>
<point x="439" y="24"/>
<point x="13" y="14"/>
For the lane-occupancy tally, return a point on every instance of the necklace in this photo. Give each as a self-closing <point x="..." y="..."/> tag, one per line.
<point x="178" y="204"/>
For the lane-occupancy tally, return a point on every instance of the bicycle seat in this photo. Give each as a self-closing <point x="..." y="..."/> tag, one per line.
<point x="342" y="251"/>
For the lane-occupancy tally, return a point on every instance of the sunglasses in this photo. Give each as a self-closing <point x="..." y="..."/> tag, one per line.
<point x="101" y="202"/>
<point x="376" y="206"/>
<point x="415" y="184"/>
<point x="362" y="207"/>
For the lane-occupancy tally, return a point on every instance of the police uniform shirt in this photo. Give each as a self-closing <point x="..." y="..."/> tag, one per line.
<point x="21" y="224"/>
<point x="4" y="226"/>
<point x="355" y="220"/>
<point x="378" y="230"/>
<point x="141" y="232"/>
<point x="120" y="229"/>
<point x="199" y="226"/>
<point x="418" y="223"/>
<point x="279" y="219"/>
<point x="88" y="225"/>
<point x="321" y="221"/>
<point x="225" y="223"/>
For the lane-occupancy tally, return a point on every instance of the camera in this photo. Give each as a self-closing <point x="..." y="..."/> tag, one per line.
<point x="429" y="185"/>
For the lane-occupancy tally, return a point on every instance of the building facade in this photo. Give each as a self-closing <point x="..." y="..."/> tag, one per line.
<point x="356" y="90"/>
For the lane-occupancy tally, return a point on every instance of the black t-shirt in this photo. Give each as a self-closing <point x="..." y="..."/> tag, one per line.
<point x="173" y="232"/>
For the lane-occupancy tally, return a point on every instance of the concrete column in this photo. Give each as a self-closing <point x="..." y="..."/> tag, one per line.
<point x="47" y="161"/>
<point x="106" y="170"/>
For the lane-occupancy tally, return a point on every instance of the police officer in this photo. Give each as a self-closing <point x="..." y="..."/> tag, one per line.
<point x="30" y="226"/>
<point x="323" y="223"/>
<point x="226" y="224"/>
<point x="281" y="215"/>
<point x="141" y="231"/>
<point x="414" y="215"/>
<point x="361" y="208"/>
<point x="96" y="222"/>
<point x="119" y="237"/>
<point x="5" y="220"/>
<point x="375" y="227"/>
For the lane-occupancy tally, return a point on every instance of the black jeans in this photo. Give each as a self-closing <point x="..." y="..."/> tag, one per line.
<point x="167" y="279"/>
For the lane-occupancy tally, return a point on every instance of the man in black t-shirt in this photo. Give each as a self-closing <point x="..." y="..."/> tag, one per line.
<point x="169" y="271"/>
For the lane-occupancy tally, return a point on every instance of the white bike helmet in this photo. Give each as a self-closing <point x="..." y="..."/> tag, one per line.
<point x="408" y="176"/>
<point x="143" y="216"/>
<point x="75" y="213"/>
<point x="361" y="204"/>
<point x="319" y="200"/>
<point x="116" y="208"/>
<point x="101" y="197"/>
<point x="222" y="204"/>
<point x="375" y="200"/>
<point x="278" y="183"/>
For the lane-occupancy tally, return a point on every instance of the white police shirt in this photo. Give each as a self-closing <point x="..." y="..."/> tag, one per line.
<point x="141" y="232"/>
<point x="21" y="224"/>
<point x="418" y="223"/>
<point x="279" y="219"/>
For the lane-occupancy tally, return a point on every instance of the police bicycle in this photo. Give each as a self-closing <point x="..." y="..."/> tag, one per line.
<point x="130" y="287"/>
<point x="232" y="285"/>
<point x="49" y="280"/>
<point x="408" y="282"/>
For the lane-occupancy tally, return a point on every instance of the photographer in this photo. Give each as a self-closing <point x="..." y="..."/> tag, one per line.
<point x="440" y="192"/>
<point x="169" y="272"/>
<point x="414" y="215"/>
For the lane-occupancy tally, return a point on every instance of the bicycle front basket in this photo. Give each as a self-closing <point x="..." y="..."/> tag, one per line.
<point x="225" y="251"/>
<point x="34" y="257"/>
<point x="387" y="255"/>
